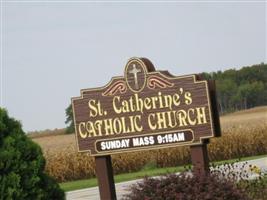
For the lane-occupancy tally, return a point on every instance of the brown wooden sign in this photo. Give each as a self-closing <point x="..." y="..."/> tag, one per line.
<point x="145" y="109"/>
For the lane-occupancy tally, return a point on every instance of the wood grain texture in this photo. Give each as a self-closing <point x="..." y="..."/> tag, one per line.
<point x="151" y="84"/>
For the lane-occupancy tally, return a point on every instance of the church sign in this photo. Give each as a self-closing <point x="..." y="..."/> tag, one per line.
<point x="144" y="109"/>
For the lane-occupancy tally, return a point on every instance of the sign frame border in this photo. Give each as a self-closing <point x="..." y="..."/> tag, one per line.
<point x="170" y="77"/>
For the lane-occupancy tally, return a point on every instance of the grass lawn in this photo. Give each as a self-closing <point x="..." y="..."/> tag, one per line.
<point x="148" y="171"/>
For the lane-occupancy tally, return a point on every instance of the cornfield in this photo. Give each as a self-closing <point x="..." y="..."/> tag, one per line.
<point x="243" y="134"/>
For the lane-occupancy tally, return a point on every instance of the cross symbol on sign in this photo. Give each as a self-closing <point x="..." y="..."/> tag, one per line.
<point x="134" y="71"/>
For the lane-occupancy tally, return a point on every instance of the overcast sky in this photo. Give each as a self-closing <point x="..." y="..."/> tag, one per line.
<point x="52" y="50"/>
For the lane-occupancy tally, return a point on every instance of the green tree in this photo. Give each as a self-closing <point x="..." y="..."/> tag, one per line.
<point x="243" y="92"/>
<point x="69" y="119"/>
<point x="226" y="89"/>
<point x="22" y="165"/>
<point x="252" y="94"/>
<point x="240" y="89"/>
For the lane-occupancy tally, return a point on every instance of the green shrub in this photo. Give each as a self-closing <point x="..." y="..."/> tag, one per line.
<point x="256" y="188"/>
<point x="22" y="165"/>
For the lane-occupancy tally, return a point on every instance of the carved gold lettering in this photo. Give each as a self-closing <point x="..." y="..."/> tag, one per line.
<point x="132" y="106"/>
<point x="168" y="101"/>
<point x="151" y="121"/>
<point x="188" y="98"/>
<point x="161" y="120"/>
<point x="172" y="122"/>
<point x="115" y="107"/>
<point x="117" y="126"/>
<point x="98" y="125"/>
<point x="93" y="108"/>
<point x="137" y="123"/>
<point x="82" y="129"/>
<point x="136" y="104"/>
<point x="90" y="129"/>
<point x="182" y="117"/>
<point x="154" y="100"/>
<point x="201" y="115"/>
<point x="147" y="103"/>
<point x="160" y="100"/>
<point x="190" y="116"/>
<point x="139" y="103"/>
<point x="125" y="107"/>
<point x="108" y="127"/>
<point x="176" y="99"/>
<point x="125" y="129"/>
<point x="178" y="118"/>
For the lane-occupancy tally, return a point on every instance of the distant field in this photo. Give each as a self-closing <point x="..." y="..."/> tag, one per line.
<point x="252" y="117"/>
<point x="56" y="143"/>
<point x="44" y="133"/>
<point x="244" y="134"/>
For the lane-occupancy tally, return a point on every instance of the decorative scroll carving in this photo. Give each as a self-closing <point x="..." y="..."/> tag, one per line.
<point x="155" y="81"/>
<point x="119" y="86"/>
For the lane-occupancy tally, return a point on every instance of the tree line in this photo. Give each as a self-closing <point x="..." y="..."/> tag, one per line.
<point x="240" y="89"/>
<point x="237" y="89"/>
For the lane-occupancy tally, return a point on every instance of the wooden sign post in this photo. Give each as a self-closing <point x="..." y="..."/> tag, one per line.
<point x="105" y="177"/>
<point x="145" y="109"/>
<point x="200" y="159"/>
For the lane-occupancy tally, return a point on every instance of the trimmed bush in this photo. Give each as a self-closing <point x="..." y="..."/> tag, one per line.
<point x="186" y="187"/>
<point x="22" y="165"/>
